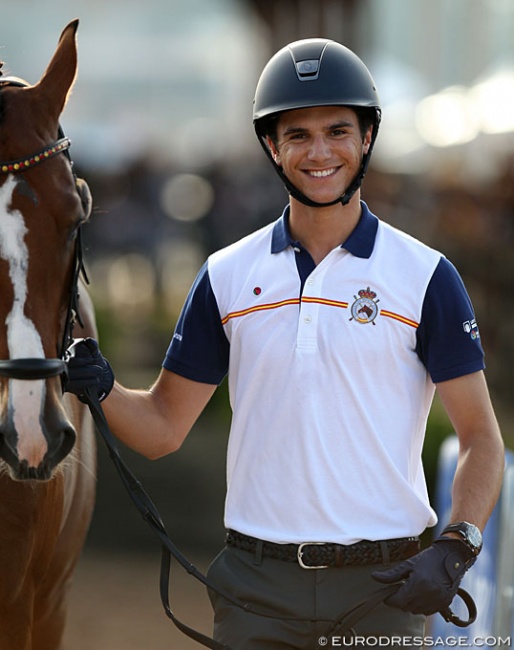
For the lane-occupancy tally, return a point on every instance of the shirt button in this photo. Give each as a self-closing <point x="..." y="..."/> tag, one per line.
<point x="311" y="281"/>
<point x="307" y="319"/>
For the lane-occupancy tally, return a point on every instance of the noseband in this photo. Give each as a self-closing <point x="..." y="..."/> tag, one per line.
<point x="29" y="368"/>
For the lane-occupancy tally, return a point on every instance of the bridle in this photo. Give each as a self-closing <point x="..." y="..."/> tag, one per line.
<point x="36" y="368"/>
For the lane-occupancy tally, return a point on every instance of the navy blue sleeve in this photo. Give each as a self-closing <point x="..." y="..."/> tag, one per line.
<point x="199" y="349"/>
<point x="448" y="340"/>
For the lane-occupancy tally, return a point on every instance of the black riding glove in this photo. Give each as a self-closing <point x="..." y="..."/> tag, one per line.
<point x="430" y="578"/>
<point x="87" y="368"/>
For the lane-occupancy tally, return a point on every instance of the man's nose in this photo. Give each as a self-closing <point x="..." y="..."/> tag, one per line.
<point x="319" y="148"/>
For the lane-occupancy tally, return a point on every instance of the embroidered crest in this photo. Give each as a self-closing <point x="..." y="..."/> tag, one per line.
<point x="365" y="309"/>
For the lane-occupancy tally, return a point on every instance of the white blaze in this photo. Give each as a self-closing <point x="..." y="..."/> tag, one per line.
<point x="26" y="398"/>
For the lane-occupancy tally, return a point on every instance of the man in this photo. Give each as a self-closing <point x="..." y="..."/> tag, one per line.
<point x="335" y="329"/>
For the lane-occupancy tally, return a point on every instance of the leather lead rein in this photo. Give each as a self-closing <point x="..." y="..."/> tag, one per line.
<point x="344" y="624"/>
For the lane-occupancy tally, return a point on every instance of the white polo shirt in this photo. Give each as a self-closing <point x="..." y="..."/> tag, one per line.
<point x="331" y="372"/>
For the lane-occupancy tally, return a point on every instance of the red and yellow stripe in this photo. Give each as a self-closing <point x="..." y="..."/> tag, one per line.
<point x="320" y="301"/>
<point x="399" y="317"/>
<point x="326" y="301"/>
<point x="264" y="307"/>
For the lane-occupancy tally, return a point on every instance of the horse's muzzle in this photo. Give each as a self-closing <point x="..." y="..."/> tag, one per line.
<point x="60" y="444"/>
<point x="56" y="435"/>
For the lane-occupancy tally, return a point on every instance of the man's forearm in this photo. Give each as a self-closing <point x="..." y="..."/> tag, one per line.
<point x="478" y="479"/>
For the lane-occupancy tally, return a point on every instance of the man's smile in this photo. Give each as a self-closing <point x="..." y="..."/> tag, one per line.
<point x="321" y="173"/>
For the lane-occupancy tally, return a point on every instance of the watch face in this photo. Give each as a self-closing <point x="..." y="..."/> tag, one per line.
<point x="474" y="536"/>
<point x="471" y="535"/>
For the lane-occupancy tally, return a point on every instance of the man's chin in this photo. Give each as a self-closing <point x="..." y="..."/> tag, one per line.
<point x="328" y="198"/>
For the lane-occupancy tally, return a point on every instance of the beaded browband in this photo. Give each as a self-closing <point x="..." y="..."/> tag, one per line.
<point x="14" y="166"/>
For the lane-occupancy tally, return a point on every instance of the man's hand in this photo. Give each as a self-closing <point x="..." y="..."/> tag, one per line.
<point x="87" y="368"/>
<point x="430" y="579"/>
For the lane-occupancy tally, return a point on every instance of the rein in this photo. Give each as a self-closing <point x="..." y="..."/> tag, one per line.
<point x="146" y="508"/>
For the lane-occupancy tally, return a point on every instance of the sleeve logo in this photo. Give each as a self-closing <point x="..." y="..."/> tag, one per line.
<point x="471" y="328"/>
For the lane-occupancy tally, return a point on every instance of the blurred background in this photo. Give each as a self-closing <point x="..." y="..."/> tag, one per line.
<point x="160" y="120"/>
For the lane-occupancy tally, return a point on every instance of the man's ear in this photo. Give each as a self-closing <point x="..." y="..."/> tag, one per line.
<point x="367" y="139"/>
<point x="273" y="150"/>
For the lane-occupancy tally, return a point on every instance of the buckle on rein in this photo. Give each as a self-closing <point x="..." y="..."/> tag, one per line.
<point x="299" y="555"/>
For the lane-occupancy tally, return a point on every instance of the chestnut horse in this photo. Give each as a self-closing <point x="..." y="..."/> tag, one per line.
<point x="47" y="446"/>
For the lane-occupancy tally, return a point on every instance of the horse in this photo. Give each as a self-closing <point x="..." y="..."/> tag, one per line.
<point x="47" y="443"/>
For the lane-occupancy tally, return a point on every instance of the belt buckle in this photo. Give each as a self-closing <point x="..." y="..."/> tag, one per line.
<point x="299" y="555"/>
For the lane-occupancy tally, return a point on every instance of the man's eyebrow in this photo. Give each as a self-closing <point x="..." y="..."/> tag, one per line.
<point x="340" y="125"/>
<point x="291" y="130"/>
<point x="295" y="129"/>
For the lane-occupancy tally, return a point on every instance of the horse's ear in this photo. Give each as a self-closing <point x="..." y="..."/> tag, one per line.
<point x="57" y="80"/>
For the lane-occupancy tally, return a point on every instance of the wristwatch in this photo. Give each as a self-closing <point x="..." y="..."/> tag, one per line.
<point x="471" y="535"/>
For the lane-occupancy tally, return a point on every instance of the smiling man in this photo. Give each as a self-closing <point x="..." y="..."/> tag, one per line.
<point x="320" y="150"/>
<point x="335" y="330"/>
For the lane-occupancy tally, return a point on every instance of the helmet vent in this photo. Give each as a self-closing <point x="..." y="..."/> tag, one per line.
<point x="307" y="70"/>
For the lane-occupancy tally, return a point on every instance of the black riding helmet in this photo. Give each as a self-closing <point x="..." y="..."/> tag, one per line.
<point x="314" y="72"/>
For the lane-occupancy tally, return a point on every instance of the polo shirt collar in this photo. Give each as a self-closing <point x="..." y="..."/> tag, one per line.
<point x="360" y="243"/>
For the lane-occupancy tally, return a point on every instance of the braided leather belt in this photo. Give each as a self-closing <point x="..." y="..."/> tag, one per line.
<point x="320" y="555"/>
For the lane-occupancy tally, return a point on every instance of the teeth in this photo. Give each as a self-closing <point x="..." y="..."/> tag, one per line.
<point x="322" y="173"/>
